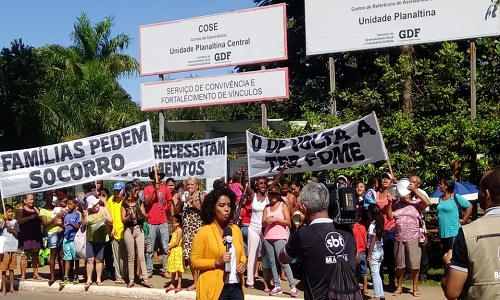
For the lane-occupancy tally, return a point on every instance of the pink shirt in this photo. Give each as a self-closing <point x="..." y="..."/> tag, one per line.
<point x="407" y="217"/>
<point x="382" y="202"/>
<point x="275" y="231"/>
<point x="235" y="187"/>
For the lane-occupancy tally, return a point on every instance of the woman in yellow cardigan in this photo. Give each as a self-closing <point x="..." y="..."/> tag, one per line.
<point x="209" y="255"/>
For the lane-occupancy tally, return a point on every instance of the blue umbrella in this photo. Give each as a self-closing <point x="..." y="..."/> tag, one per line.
<point x="467" y="190"/>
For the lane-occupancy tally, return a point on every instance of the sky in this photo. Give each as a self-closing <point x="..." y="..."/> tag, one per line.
<point x="47" y="22"/>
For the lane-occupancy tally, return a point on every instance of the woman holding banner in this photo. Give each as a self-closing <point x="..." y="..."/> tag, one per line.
<point x="30" y="235"/>
<point x="191" y="221"/>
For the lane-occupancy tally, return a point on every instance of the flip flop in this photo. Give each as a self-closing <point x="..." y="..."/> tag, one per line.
<point x="396" y="293"/>
<point x="87" y="284"/>
<point x="38" y="277"/>
<point x="178" y="290"/>
<point x="120" y="281"/>
<point x="99" y="283"/>
<point x="170" y="288"/>
<point x="416" y="294"/>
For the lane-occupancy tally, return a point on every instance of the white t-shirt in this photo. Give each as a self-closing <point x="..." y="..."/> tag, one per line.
<point x="257" y="212"/>
<point x="233" y="276"/>
<point x="371" y="231"/>
<point x="10" y="241"/>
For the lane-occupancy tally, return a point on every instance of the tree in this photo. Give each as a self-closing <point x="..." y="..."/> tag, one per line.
<point x="21" y="82"/>
<point x="84" y="97"/>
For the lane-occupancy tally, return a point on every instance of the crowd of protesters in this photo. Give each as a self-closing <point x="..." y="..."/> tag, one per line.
<point x="127" y="229"/>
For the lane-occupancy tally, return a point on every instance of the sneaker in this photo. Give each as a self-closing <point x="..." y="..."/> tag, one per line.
<point x="276" y="291"/>
<point x="76" y="281"/>
<point x="294" y="292"/>
<point x="64" y="282"/>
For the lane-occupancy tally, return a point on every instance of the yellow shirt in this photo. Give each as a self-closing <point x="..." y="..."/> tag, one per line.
<point x="115" y="208"/>
<point x="207" y="247"/>
<point x="52" y="228"/>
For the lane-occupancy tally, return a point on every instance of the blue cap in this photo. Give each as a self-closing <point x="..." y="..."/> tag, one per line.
<point x="119" y="185"/>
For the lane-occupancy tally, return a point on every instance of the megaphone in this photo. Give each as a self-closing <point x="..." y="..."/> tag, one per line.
<point x="296" y="217"/>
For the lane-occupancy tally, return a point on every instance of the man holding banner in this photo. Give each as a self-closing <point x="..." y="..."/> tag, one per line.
<point x="157" y="199"/>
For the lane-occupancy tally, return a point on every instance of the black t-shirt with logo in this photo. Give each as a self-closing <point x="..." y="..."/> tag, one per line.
<point x="319" y="245"/>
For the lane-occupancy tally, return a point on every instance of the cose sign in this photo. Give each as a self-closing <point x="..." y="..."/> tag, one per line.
<point x="240" y="37"/>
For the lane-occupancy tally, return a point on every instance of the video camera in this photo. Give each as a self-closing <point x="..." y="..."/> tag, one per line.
<point x="342" y="208"/>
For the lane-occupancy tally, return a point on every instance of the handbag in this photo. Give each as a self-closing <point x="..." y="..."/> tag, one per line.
<point x="81" y="242"/>
<point x="461" y="210"/>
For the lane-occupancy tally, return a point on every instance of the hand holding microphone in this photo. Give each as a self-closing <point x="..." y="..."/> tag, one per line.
<point x="227" y="235"/>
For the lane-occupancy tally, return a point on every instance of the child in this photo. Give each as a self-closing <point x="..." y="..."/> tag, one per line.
<point x="175" y="262"/>
<point x="9" y="228"/>
<point x="71" y="225"/>
<point x="267" y="274"/>
<point x="375" y="253"/>
<point x="359" y="232"/>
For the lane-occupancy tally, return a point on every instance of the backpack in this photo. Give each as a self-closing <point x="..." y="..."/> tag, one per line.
<point x="343" y="284"/>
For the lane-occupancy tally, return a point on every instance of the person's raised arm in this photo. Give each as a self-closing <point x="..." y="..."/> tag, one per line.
<point x="149" y="197"/>
<point x="243" y="179"/>
<point x="250" y="192"/>
<point x="277" y="179"/>
<point x="390" y="199"/>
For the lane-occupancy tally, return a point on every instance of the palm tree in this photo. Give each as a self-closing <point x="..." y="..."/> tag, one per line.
<point x="84" y="97"/>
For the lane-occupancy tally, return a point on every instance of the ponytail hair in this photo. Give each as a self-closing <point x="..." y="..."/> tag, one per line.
<point x="374" y="211"/>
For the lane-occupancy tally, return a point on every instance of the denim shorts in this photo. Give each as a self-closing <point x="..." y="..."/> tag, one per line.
<point x="55" y="240"/>
<point x="362" y="266"/>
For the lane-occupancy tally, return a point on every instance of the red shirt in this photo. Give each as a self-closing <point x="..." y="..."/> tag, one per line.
<point x="246" y="213"/>
<point x="359" y="232"/>
<point x="159" y="204"/>
<point x="382" y="202"/>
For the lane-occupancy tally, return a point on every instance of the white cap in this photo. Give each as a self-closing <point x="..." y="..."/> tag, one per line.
<point x="92" y="201"/>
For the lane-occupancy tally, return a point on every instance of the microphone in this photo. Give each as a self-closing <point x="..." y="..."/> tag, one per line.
<point x="227" y="234"/>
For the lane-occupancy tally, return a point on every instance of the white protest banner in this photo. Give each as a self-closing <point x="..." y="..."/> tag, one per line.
<point x="240" y="37"/>
<point x="354" y="144"/>
<point x="263" y="85"/>
<point x="337" y="26"/>
<point x="66" y="164"/>
<point x="185" y="159"/>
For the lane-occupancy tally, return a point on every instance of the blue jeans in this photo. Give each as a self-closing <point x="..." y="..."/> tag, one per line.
<point x="375" y="263"/>
<point x="157" y="231"/>
<point x="231" y="291"/>
<point x="273" y="248"/>
<point x="244" y="232"/>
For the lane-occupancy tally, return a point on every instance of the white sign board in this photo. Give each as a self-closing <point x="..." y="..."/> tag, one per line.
<point x="76" y="162"/>
<point x="241" y="37"/>
<point x="337" y="26"/>
<point x="182" y="160"/>
<point x="350" y="145"/>
<point x="263" y="85"/>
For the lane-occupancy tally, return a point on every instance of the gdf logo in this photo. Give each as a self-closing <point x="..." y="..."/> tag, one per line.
<point x="334" y="242"/>
<point x="409" y="33"/>
<point x="222" y="56"/>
